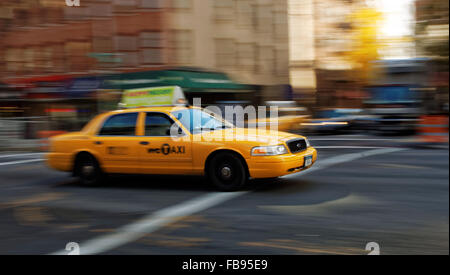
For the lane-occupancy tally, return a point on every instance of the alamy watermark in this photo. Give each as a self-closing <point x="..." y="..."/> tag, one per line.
<point x="73" y="248"/>
<point x="373" y="248"/>
<point x="229" y="123"/>
<point x="73" y="3"/>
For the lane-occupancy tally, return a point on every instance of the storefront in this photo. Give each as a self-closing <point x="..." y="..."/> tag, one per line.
<point x="11" y="101"/>
<point x="82" y="93"/>
<point x="56" y="102"/>
<point x="211" y="87"/>
<point x="12" y="110"/>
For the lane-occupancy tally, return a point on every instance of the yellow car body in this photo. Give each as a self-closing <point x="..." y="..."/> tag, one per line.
<point x="138" y="153"/>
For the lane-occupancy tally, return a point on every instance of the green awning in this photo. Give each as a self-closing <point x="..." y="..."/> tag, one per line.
<point x="190" y="81"/>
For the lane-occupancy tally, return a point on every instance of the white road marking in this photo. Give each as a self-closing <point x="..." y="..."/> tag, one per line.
<point x="22" y="155"/>
<point x="163" y="217"/>
<point x="20" y="162"/>
<point x="153" y="222"/>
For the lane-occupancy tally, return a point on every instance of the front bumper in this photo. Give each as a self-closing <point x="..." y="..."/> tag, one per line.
<point x="277" y="166"/>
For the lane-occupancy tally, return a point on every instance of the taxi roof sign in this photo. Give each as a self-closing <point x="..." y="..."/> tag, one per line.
<point x="155" y="96"/>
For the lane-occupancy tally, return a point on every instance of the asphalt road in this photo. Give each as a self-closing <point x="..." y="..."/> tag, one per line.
<point x="358" y="192"/>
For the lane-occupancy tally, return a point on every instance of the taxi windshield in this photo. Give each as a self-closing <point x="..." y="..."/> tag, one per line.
<point x="198" y="121"/>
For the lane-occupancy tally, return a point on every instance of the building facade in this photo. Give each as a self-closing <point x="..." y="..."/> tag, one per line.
<point x="432" y="42"/>
<point x="47" y="37"/>
<point x="246" y="38"/>
<point x="321" y="36"/>
<point x="302" y="51"/>
<point x="53" y="54"/>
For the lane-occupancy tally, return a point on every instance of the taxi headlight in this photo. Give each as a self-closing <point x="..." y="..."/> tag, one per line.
<point x="269" y="150"/>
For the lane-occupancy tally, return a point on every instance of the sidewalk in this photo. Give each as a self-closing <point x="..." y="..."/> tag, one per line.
<point x="29" y="145"/>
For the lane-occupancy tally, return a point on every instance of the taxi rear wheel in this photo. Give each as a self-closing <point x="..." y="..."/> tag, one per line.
<point x="88" y="170"/>
<point x="227" y="172"/>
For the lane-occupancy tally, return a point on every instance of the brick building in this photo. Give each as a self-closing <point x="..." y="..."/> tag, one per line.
<point x="247" y="39"/>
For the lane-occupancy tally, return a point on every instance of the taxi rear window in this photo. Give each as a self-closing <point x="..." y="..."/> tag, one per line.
<point x="120" y="125"/>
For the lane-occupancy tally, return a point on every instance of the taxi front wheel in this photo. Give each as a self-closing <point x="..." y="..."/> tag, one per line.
<point x="88" y="170"/>
<point x="227" y="172"/>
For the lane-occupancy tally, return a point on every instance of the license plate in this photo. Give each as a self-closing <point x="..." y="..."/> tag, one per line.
<point x="308" y="161"/>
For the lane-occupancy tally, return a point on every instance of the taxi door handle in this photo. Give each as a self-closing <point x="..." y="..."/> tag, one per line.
<point x="144" y="143"/>
<point x="98" y="143"/>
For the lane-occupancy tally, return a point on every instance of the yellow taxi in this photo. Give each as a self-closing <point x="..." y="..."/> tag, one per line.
<point x="177" y="140"/>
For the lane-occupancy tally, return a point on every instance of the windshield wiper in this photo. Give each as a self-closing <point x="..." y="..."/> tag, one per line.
<point x="212" y="128"/>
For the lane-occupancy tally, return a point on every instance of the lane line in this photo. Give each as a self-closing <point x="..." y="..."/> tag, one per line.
<point x="153" y="222"/>
<point x="21" y="155"/>
<point x="21" y="161"/>
<point x="166" y="216"/>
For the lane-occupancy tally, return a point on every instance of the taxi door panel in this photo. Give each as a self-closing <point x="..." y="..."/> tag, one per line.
<point x="117" y="143"/>
<point x="118" y="155"/>
<point x="159" y="152"/>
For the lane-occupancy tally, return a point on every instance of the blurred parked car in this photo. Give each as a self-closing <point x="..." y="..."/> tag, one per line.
<point x="289" y="119"/>
<point x="336" y="121"/>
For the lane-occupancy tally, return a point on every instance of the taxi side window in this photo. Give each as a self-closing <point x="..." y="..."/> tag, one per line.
<point x="157" y="125"/>
<point x="120" y="125"/>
